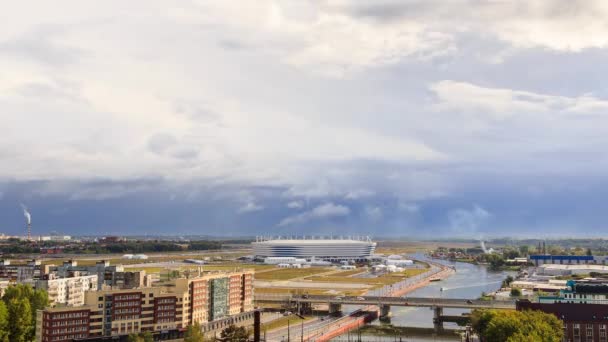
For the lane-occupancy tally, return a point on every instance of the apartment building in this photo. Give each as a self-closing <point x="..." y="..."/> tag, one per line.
<point x="168" y="309"/>
<point x="67" y="291"/>
<point x="20" y="273"/>
<point x="107" y="275"/>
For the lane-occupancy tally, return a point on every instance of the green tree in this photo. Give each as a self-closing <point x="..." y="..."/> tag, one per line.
<point x="511" y="253"/>
<point x="134" y="338"/>
<point x="589" y="253"/>
<point x="235" y="334"/>
<point x="37" y="300"/>
<point x="524" y="250"/>
<point x="496" y="261"/>
<point x="516" y="326"/>
<point x="20" y="320"/>
<point x="515" y="292"/>
<point x="194" y="333"/>
<point x="147" y="336"/>
<point x="3" y="322"/>
<point x="141" y="337"/>
<point x="508" y="280"/>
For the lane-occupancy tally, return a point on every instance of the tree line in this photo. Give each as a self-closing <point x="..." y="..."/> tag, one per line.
<point x="16" y="246"/>
<point x="195" y="334"/>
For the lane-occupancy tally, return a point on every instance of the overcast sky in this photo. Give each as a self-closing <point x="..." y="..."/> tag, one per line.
<point x="411" y="118"/>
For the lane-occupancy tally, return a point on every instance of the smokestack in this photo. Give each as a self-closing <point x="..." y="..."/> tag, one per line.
<point x="28" y="221"/>
<point x="544" y="248"/>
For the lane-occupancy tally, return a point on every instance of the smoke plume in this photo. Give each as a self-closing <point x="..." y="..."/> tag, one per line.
<point x="26" y="213"/>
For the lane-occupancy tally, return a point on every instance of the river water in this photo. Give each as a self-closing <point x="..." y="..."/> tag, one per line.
<point x="468" y="282"/>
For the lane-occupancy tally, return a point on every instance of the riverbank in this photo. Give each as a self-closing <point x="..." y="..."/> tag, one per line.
<point x="348" y="324"/>
<point x="390" y="330"/>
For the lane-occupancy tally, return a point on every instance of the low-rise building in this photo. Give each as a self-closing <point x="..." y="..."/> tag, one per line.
<point x="570" y="269"/>
<point x="399" y="262"/>
<point x="284" y="260"/>
<point x="540" y="259"/>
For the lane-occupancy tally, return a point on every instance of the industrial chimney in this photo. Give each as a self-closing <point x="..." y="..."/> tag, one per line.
<point x="28" y="221"/>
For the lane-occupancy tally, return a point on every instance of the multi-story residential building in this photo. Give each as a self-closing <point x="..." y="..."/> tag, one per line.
<point x="64" y="324"/>
<point x="108" y="275"/>
<point x="168" y="309"/>
<point x="67" y="291"/>
<point x="21" y="273"/>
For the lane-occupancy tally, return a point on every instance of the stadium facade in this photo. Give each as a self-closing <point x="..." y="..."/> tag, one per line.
<point x="330" y="249"/>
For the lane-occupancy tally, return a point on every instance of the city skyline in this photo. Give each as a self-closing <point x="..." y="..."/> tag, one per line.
<point x="387" y="118"/>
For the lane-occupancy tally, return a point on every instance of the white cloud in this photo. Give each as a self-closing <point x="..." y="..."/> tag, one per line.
<point x="374" y="213"/>
<point x="324" y="211"/>
<point x="465" y="221"/>
<point x="295" y="205"/>
<point x="501" y="103"/>
<point x="249" y="202"/>
<point x="127" y="90"/>
<point x="250" y="207"/>
<point x="359" y="193"/>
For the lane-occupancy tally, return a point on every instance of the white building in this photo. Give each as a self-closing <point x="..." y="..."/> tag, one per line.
<point x="559" y="269"/>
<point x="308" y="248"/>
<point x="283" y="260"/>
<point x="68" y="291"/>
<point x="399" y="262"/>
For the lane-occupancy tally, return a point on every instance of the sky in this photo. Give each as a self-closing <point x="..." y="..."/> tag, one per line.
<point x="229" y="118"/>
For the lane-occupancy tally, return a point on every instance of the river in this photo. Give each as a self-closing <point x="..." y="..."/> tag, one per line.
<point x="468" y="282"/>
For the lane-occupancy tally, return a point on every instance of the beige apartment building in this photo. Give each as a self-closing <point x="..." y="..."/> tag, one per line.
<point x="167" y="308"/>
<point x="67" y="291"/>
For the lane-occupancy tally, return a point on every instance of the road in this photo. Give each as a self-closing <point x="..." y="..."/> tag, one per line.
<point x="295" y="331"/>
<point x="460" y="303"/>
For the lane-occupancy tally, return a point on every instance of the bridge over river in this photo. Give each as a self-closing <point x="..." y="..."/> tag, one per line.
<point x="303" y="302"/>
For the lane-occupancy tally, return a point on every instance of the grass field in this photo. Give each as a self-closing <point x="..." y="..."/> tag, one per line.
<point x="282" y="322"/>
<point x="349" y="273"/>
<point x="385" y="279"/>
<point x="407" y="247"/>
<point x="316" y="291"/>
<point x="291" y="273"/>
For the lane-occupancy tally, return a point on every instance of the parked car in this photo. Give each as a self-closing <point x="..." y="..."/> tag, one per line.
<point x="360" y="298"/>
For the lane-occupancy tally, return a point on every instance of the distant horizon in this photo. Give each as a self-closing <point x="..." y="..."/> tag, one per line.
<point x="346" y="235"/>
